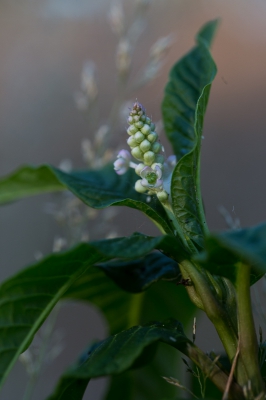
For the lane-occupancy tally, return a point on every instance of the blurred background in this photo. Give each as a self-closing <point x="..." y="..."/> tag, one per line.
<point x="66" y="72"/>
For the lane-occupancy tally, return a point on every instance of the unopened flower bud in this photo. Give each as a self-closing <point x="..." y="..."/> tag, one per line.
<point x="130" y="120"/>
<point x="131" y="130"/>
<point x="139" y="168"/>
<point x="148" y="120"/>
<point x="139" y="137"/>
<point x="156" y="147"/>
<point x="149" y="157"/>
<point x="137" y="153"/>
<point x="159" y="158"/>
<point x="152" y="126"/>
<point x="145" y="145"/>
<point x="139" y="124"/>
<point x="162" y="196"/>
<point x="132" y="142"/>
<point x="152" y="137"/>
<point x="139" y="188"/>
<point x="146" y="130"/>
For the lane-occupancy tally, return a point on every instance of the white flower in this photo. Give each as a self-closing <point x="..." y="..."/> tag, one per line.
<point x="122" y="163"/>
<point x="151" y="178"/>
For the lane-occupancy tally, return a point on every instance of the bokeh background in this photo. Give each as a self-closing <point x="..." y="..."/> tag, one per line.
<point x="43" y="47"/>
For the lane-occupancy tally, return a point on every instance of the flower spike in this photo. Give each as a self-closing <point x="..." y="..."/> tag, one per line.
<point x="145" y="147"/>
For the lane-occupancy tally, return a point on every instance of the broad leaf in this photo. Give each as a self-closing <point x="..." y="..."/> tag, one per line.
<point x="160" y="301"/>
<point x="136" y="275"/>
<point x="27" y="298"/>
<point x="187" y="80"/>
<point x="184" y="106"/>
<point x="225" y="252"/>
<point x="96" y="188"/>
<point x="118" y="353"/>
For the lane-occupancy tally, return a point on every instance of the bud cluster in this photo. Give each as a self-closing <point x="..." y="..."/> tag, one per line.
<point x="143" y="138"/>
<point x="145" y="147"/>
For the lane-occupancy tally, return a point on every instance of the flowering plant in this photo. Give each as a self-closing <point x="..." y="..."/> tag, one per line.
<point x="136" y="279"/>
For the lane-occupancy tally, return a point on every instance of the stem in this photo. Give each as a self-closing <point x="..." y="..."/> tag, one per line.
<point x="211" y="370"/>
<point x="211" y="306"/>
<point x="204" y="297"/>
<point x="248" y="344"/>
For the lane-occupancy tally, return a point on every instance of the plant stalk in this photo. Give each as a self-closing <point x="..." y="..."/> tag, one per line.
<point x="248" y="344"/>
<point x="212" y="371"/>
<point x="201" y="292"/>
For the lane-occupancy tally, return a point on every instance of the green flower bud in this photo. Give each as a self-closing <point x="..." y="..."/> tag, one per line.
<point x="152" y="137"/>
<point x="152" y="126"/>
<point x="162" y="196"/>
<point x="145" y="145"/>
<point x="148" y="120"/>
<point x="131" y="130"/>
<point x="156" y="147"/>
<point x="139" y="168"/>
<point x="139" y="188"/>
<point x="146" y="130"/>
<point x="137" y="153"/>
<point x="130" y="120"/>
<point x="139" y="124"/>
<point x="143" y="118"/>
<point x="132" y="142"/>
<point x="159" y="158"/>
<point x="139" y="137"/>
<point x="136" y="118"/>
<point x="149" y="158"/>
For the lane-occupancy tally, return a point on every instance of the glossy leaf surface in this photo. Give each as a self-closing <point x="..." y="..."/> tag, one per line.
<point x="118" y="353"/>
<point x="225" y="252"/>
<point x="184" y="106"/>
<point x="27" y="299"/>
<point x="134" y="276"/>
<point x="98" y="189"/>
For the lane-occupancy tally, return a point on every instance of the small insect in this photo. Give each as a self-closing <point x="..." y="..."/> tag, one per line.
<point x="184" y="282"/>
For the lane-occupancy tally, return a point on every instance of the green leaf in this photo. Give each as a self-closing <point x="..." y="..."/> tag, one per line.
<point x="225" y="252"/>
<point x="187" y="80"/>
<point x="119" y="352"/>
<point x="184" y="106"/>
<point x="27" y="298"/>
<point x="160" y="301"/>
<point x="136" y="275"/>
<point x="96" y="188"/>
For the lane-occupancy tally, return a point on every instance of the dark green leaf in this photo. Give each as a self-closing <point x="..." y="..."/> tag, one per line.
<point x="160" y="301"/>
<point x="184" y="106"/>
<point x="98" y="189"/>
<point x="118" y="353"/>
<point x="225" y="252"/>
<point x="134" y="276"/>
<point x="27" y="299"/>
<point x="187" y="80"/>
